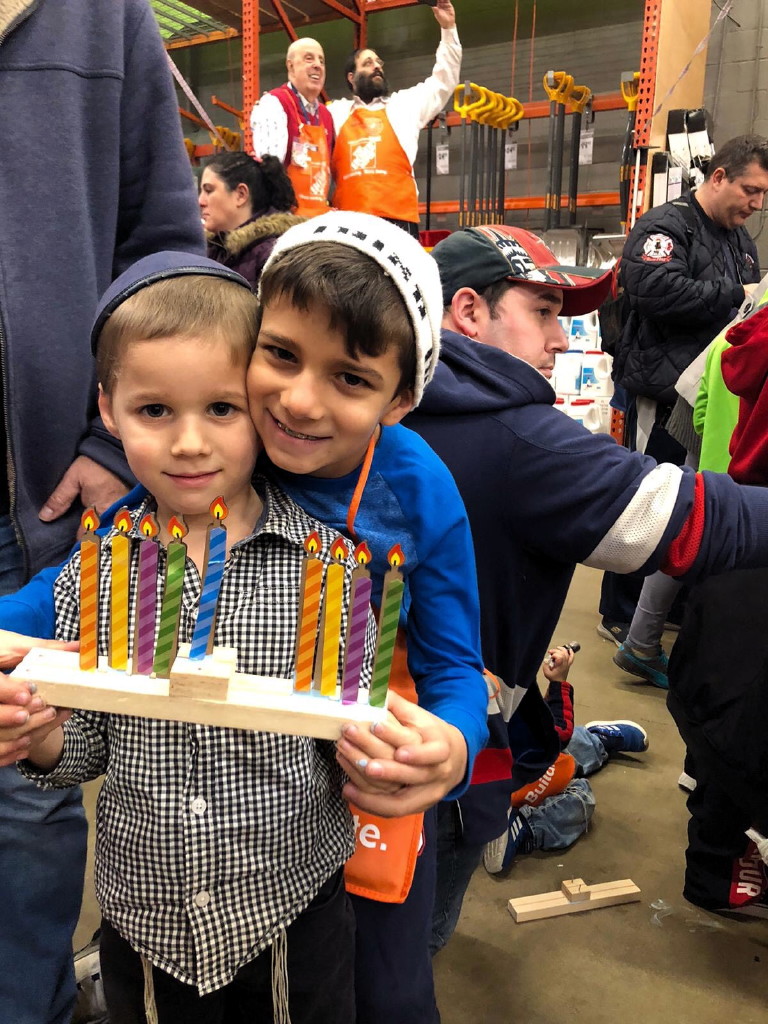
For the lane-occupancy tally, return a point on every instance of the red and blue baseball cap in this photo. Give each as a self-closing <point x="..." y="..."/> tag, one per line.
<point x="480" y="256"/>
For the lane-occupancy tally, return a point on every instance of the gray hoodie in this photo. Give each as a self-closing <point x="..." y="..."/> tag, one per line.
<point x="93" y="176"/>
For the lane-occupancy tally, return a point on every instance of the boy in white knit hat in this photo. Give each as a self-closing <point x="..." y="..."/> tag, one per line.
<point x="349" y="338"/>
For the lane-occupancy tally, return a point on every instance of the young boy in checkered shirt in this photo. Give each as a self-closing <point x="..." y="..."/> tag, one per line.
<point x="219" y="852"/>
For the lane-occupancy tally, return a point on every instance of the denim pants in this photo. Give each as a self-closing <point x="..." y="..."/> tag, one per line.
<point x="556" y="823"/>
<point x="42" y="862"/>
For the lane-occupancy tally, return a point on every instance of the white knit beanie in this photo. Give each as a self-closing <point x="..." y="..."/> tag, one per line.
<point x="400" y="256"/>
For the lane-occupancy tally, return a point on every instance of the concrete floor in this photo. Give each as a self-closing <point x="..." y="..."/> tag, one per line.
<point x="679" y="965"/>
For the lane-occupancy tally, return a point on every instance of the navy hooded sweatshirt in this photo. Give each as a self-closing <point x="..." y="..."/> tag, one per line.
<point x="543" y="494"/>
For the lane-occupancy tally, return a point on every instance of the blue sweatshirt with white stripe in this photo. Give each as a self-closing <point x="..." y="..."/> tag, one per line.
<point x="543" y="493"/>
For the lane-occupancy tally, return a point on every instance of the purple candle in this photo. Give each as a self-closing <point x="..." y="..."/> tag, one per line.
<point x="357" y="621"/>
<point x="146" y="598"/>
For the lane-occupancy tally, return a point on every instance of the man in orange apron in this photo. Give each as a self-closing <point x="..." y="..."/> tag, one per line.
<point x="292" y="124"/>
<point x="377" y="134"/>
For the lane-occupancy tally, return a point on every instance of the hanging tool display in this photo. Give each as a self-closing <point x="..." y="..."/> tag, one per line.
<point x="581" y="103"/>
<point x="481" y="182"/>
<point x="630" y="91"/>
<point x="558" y="86"/>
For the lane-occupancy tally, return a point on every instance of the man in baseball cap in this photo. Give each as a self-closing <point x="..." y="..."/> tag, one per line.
<point x="478" y="257"/>
<point x="543" y="494"/>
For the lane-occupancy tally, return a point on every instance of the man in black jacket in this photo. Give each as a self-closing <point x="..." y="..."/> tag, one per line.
<point x="686" y="268"/>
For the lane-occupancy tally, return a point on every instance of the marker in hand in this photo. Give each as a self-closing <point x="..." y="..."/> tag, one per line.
<point x="574" y="646"/>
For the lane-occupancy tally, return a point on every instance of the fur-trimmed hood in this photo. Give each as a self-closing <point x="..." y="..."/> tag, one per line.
<point x="268" y="225"/>
<point x="13" y="12"/>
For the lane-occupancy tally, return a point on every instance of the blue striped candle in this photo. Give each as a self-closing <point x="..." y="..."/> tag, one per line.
<point x="215" y="559"/>
<point x="357" y="622"/>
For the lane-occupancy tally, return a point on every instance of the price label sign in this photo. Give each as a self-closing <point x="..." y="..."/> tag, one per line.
<point x="510" y="156"/>
<point x="442" y="162"/>
<point x="586" y="145"/>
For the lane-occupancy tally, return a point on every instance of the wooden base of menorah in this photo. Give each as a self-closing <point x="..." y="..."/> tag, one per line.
<point x="207" y="692"/>
<point x="573" y="897"/>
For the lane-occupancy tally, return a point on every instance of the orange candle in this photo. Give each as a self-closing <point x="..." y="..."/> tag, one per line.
<point x="90" y="549"/>
<point x="121" y="568"/>
<point x="309" y="613"/>
<point x="330" y="630"/>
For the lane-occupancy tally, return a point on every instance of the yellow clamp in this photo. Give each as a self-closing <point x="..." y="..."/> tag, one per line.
<point x="491" y="105"/>
<point x="464" y="93"/>
<point x="630" y="89"/>
<point x="579" y="98"/>
<point x="558" y="86"/>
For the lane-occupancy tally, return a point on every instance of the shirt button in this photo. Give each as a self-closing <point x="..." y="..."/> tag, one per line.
<point x="199" y="805"/>
<point x="202" y="899"/>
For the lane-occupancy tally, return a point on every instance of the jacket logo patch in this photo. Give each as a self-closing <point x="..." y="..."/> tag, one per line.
<point x="658" y="249"/>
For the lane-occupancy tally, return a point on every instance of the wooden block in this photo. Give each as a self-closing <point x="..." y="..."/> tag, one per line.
<point x="554" y="904"/>
<point x="208" y="677"/>
<point x="253" y="702"/>
<point x="576" y="889"/>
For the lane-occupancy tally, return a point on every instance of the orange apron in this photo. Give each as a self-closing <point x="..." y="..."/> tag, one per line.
<point x="382" y="866"/>
<point x="370" y="168"/>
<point x="309" y="169"/>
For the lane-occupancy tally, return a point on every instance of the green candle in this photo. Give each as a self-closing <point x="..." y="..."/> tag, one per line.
<point x="389" y="617"/>
<point x="168" y="634"/>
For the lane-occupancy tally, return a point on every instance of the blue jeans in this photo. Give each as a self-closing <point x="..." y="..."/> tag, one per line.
<point x="556" y="823"/>
<point x="42" y="862"/>
<point x="587" y="751"/>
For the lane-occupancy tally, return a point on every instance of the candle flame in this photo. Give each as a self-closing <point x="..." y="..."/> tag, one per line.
<point x="312" y="543"/>
<point x="148" y="525"/>
<point x="362" y="553"/>
<point x="395" y="556"/>
<point x="219" y="508"/>
<point x="123" y="521"/>
<point x="89" y="520"/>
<point x="339" y="550"/>
<point x="177" y="528"/>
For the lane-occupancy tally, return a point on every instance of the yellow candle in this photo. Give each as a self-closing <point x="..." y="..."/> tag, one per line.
<point x="309" y="614"/>
<point x="121" y="568"/>
<point x="90" y="547"/>
<point x="330" y="630"/>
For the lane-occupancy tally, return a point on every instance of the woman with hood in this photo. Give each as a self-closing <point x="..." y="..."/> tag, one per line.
<point x="245" y="205"/>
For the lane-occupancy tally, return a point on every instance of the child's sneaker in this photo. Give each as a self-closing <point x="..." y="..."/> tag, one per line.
<point x="617" y="632"/>
<point x="620" y="736"/>
<point x="517" y="838"/>
<point x="653" y="668"/>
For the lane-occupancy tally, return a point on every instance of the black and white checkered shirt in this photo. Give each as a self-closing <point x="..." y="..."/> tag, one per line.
<point x="208" y="840"/>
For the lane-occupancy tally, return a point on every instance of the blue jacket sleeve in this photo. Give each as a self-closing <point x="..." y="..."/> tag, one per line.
<point x="31" y="610"/>
<point x="444" y="617"/>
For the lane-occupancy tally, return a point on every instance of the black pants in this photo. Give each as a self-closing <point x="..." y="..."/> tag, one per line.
<point x="320" y="945"/>
<point x="410" y="226"/>
<point x="723" y="868"/>
<point x="394" y="968"/>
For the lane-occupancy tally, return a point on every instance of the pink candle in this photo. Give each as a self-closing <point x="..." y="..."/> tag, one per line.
<point x="357" y="621"/>
<point x="146" y="598"/>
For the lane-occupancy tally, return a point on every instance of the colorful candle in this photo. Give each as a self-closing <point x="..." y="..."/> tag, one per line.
<point x="330" y="628"/>
<point x="213" y="573"/>
<point x="357" y="622"/>
<point x="146" y="597"/>
<point x="389" y="617"/>
<point x="309" y="614"/>
<point x="90" y="549"/>
<point x="120" y="552"/>
<point x="170" y="612"/>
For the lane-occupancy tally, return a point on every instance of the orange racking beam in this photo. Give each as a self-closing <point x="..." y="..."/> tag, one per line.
<point x="530" y="202"/>
<point x="355" y="16"/>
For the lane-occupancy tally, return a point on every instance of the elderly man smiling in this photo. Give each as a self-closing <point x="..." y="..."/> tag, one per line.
<point x="291" y="123"/>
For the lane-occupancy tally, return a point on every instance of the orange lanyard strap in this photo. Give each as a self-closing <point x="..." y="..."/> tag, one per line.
<point x="362" y="480"/>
